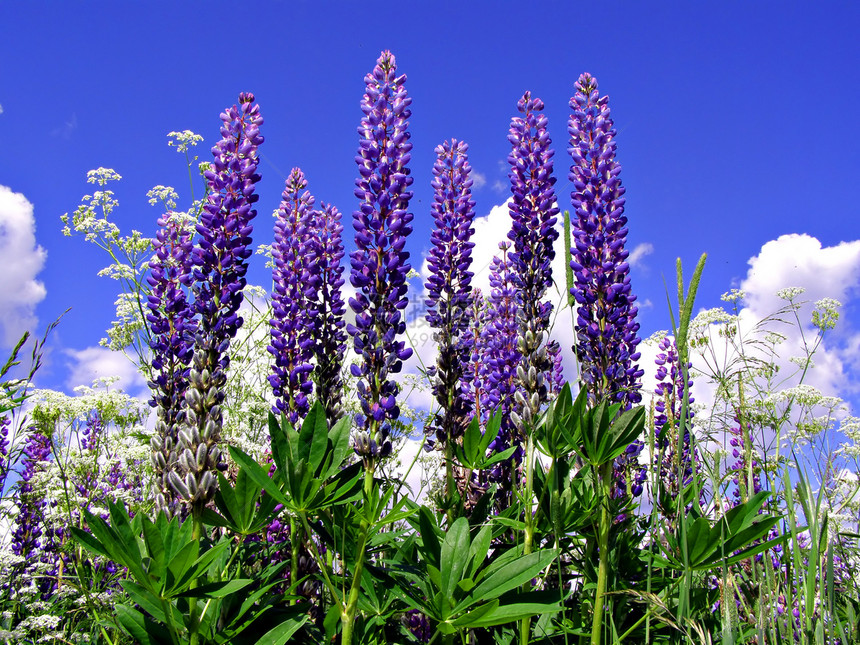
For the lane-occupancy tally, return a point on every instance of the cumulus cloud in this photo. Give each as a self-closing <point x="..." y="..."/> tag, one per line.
<point x="87" y="365"/>
<point x="20" y="292"/>
<point x="800" y="261"/>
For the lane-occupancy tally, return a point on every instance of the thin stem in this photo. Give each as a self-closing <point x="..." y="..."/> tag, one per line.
<point x="605" y="483"/>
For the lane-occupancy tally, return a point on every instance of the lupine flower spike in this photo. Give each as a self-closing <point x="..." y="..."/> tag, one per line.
<point x="291" y="341"/>
<point x="674" y="451"/>
<point x="379" y="264"/>
<point x="606" y="324"/>
<point x="533" y="218"/>
<point x="325" y="280"/>
<point x="449" y="286"/>
<point x="172" y="327"/>
<point x="220" y="264"/>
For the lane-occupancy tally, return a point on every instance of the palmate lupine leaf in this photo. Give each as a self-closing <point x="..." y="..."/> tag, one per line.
<point x="734" y="537"/>
<point x="309" y="474"/>
<point x="453" y="584"/>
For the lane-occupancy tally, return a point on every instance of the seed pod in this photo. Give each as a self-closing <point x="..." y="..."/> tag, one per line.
<point x="179" y="485"/>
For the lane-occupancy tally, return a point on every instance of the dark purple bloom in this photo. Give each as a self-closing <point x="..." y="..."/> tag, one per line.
<point x="533" y="218"/>
<point x="5" y="424"/>
<point x="379" y="264"/>
<point x="449" y="285"/>
<point x="291" y="310"/>
<point x="501" y="355"/>
<point x="171" y="326"/>
<point x="220" y="263"/>
<point x="324" y="283"/>
<point x="28" y="522"/>
<point x="674" y="452"/>
<point x="606" y="317"/>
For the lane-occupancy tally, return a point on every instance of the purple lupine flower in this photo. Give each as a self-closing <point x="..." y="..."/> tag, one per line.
<point x="606" y="317"/>
<point x="745" y="454"/>
<point x="93" y="430"/>
<point x="556" y="382"/>
<point x="668" y="411"/>
<point x="502" y="356"/>
<point x="325" y="280"/>
<point x="28" y="522"/>
<point x="172" y="326"/>
<point x="475" y="367"/>
<point x="220" y="263"/>
<point x="5" y="424"/>
<point x="449" y="286"/>
<point x="418" y="624"/>
<point x="291" y="341"/>
<point x="380" y="265"/>
<point x="533" y="218"/>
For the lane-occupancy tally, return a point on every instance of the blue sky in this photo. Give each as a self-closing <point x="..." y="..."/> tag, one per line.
<point x="737" y="126"/>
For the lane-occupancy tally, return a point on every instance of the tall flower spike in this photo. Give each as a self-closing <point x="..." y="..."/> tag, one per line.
<point x="220" y="264"/>
<point x="502" y="357"/>
<point x="673" y="451"/>
<point x="172" y="327"/>
<point x="325" y="253"/>
<point x="449" y="285"/>
<point x="379" y="264"/>
<point x="606" y="324"/>
<point x="533" y="218"/>
<point x="290" y="324"/>
<point x="28" y="523"/>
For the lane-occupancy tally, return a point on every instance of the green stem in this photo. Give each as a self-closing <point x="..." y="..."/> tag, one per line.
<point x="528" y="538"/>
<point x="605" y="476"/>
<point x="348" y="612"/>
<point x="193" y="616"/>
<point x="294" y="556"/>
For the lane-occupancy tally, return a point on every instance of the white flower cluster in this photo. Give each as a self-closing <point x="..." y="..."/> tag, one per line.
<point x="184" y="140"/>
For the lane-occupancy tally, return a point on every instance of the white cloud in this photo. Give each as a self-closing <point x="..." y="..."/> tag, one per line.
<point x="638" y="253"/>
<point x="499" y="186"/>
<point x="479" y="180"/>
<point x="800" y="261"/>
<point x="1" y="109"/>
<point x="93" y="363"/>
<point x="20" y="292"/>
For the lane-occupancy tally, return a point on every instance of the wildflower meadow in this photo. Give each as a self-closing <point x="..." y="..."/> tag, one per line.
<point x="264" y="493"/>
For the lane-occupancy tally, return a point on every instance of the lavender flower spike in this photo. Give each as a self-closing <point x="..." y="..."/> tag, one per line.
<point x="379" y="264"/>
<point x="533" y="218"/>
<point x="449" y="285"/>
<point x="325" y="253"/>
<point x="220" y="264"/>
<point x="606" y="317"/>
<point x="291" y="342"/>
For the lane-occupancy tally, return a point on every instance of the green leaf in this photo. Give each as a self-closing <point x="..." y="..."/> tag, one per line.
<point x="217" y="589"/>
<point x="141" y="628"/>
<point x="429" y="536"/>
<point x="454" y="556"/>
<point x="313" y="439"/>
<point x="339" y="437"/>
<point x="509" y="576"/>
<point x="258" y="475"/>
